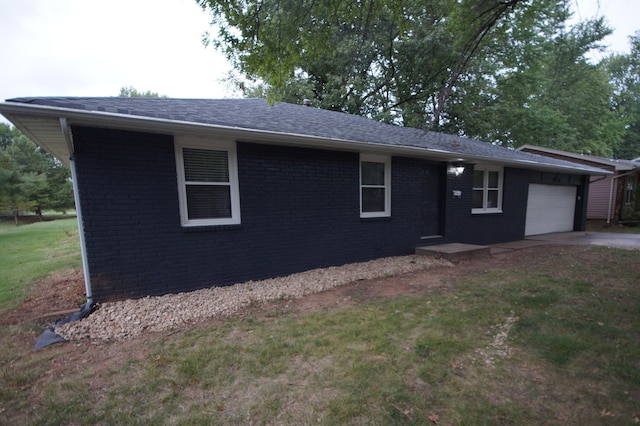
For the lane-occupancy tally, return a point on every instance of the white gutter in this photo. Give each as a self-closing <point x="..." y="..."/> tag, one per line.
<point x="158" y="125"/>
<point x="76" y="195"/>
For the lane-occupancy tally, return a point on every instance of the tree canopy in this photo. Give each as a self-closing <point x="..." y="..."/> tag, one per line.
<point x="625" y="78"/>
<point x="132" y="92"/>
<point x="507" y="72"/>
<point x="390" y="60"/>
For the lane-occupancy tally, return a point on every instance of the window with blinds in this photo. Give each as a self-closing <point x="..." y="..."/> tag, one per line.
<point x="206" y="176"/>
<point x="208" y="183"/>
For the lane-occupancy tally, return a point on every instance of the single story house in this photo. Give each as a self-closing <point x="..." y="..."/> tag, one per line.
<point x="175" y="195"/>
<point x="611" y="197"/>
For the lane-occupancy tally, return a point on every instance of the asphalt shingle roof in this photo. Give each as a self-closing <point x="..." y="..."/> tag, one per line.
<point x="257" y="114"/>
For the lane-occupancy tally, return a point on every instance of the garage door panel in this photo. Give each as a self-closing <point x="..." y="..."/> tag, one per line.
<point x="550" y="208"/>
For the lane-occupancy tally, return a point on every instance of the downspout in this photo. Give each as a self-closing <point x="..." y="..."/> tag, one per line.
<point x="76" y="195"/>
<point x="613" y="178"/>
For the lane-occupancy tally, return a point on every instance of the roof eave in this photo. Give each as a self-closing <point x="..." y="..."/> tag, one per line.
<point x="13" y="111"/>
<point x="585" y="157"/>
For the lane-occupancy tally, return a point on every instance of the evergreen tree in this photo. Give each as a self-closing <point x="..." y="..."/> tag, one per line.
<point x="30" y="178"/>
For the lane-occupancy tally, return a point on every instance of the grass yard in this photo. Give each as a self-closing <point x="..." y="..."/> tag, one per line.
<point x="601" y="226"/>
<point x="29" y="252"/>
<point x="545" y="335"/>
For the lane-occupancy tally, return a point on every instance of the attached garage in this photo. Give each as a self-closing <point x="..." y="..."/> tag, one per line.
<point x="550" y="208"/>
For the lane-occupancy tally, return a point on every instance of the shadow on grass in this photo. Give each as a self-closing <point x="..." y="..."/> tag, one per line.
<point x="32" y="218"/>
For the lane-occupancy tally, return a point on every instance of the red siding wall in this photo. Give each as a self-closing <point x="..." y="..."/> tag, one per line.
<point x="599" y="198"/>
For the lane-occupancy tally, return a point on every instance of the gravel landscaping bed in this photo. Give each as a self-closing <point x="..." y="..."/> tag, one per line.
<point x="130" y="318"/>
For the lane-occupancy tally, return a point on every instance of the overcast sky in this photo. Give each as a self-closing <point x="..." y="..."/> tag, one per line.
<point x="93" y="48"/>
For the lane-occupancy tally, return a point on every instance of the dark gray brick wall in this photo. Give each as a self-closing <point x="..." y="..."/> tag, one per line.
<point x="464" y="227"/>
<point x="299" y="208"/>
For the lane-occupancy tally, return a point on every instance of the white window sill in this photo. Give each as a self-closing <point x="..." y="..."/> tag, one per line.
<point x="210" y="222"/>
<point x="374" y="215"/>
<point x="485" y="211"/>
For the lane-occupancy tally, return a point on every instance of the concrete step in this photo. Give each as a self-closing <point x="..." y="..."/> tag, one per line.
<point x="455" y="252"/>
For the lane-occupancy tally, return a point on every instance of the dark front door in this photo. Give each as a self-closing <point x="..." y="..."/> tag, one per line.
<point x="431" y="199"/>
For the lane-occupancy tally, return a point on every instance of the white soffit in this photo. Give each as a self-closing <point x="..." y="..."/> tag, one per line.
<point x="46" y="132"/>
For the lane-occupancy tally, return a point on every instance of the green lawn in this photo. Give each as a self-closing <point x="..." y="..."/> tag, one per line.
<point x="601" y="226"/>
<point x="29" y="252"/>
<point x="545" y="335"/>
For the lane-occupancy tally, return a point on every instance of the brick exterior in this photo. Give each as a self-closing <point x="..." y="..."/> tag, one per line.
<point x="299" y="209"/>
<point x="464" y="227"/>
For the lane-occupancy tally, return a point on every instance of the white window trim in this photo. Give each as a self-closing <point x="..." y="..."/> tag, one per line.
<point x="485" y="191"/>
<point x="387" y="184"/>
<point x="213" y="145"/>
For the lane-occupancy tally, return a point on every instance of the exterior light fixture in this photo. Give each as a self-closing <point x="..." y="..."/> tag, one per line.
<point x="455" y="169"/>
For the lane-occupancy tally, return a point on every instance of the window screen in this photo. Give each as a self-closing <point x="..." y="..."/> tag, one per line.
<point x="208" y="186"/>
<point x="374" y="186"/>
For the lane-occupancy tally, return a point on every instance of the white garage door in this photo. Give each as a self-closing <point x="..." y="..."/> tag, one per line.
<point x="550" y="208"/>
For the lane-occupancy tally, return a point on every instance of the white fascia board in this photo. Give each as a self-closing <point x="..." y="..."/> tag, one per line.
<point x="176" y="127"/>
<point x="598" y="160"/>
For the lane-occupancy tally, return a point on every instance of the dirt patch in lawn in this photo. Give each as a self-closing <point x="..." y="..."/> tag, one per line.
<point x="58" y="294"/>
<point x="54" y="296"/>
<point x="414" y="283"/>
<point x="50" y="299"/>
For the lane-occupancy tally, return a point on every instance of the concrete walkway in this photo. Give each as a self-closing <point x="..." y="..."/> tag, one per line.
<point x="515" y="245"/>
<point x="607" y="239"/>
<point x="456" y="252"/>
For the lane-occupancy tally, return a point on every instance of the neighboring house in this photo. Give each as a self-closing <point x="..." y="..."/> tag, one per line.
<point x="180" y="194"/>
<point x="613" y="197"/>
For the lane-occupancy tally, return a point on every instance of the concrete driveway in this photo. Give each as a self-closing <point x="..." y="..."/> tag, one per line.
<point x="607" y="239"/>
<point x="456" y="251"/>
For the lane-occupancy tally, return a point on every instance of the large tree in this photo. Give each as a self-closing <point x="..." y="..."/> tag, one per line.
<point x="507" y="72"/>
<point x="625" y="78"/>
<point x="397" y="61"/>
<point x="540" y="89"/>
